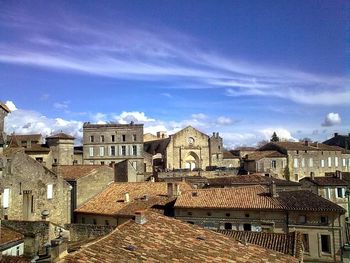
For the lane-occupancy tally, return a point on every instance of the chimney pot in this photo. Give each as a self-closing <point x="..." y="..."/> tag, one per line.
<point x="152" y="179"/>
<point x="335" y="134"/>
<point x="170" y="189"/>
<point x="273" y="191"/>
<point x="307" y="143"/>
<point x="312" y="175"/>
<point x="140" y="217"/>
<point x="127" y="197"/>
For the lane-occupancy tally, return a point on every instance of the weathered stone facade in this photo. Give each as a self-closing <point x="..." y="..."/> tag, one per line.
<point x="62" y="148"/>
<point x="112" y="143"/>
<point x="29" y="189"/>
<point x="80" y="232"/>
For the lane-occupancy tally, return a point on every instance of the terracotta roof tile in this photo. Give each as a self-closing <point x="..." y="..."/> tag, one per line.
<point x="252" y="179"/>
<point x="284" y="243"/>
<point x="14" y="259"/>
<point x="9" y="236"/>
<point x="326" y="181"/>
<point x="163" y="239"/>
<point x="255" y="197"/>
<point x="74" y="172"/>
<point x="257" y="155"/>
<point x="111" y="200"/>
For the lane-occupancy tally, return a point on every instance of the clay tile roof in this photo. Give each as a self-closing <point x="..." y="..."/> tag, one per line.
<point x="326" y="181"/>
<point x="14" y="259"/>
<point x="248" y="197"/>
<point x="255" y="197"/>
<point x="9" y="236"/>
<point x="74" y="172"/>
<point x="26" y="137"/>
<point x="164" y="239"/>
<point x="111" y="200"/>
<point x="60" y="135"/>
<point x="258" y="155"/>
<point x="40" y="148"/>
<point x="253" y="179"/>
<point x="294" y="146"/>
<point x="289" y="243"/>
<point x="4" y="107"/>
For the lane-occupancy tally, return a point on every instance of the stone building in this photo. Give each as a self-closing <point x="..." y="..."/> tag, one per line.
<point x="332" y="188"/>
<point x="11" y="243"/>
<point x="119" y="201"/>
<point x="152" y="237"/>
<point x="305" y="158"/>
<point x="61" y="145"/>
<point x="112" y="143"/>
<point x="267" y="162"/>
<point x="4" y="110"/>
<point x="255" y="208"/>
<point x="187" y="149"/>
<point x="86" y="181"/>
<point x="26" y="140"/>
<point x="31" y="191"/>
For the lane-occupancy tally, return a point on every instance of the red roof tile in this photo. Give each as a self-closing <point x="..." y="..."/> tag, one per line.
<point x="9" y="236"/>
<point x="74" y="172"/>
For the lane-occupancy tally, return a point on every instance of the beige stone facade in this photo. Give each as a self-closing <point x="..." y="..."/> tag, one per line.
<point x="30" y="189"/>
<point x="189" y="149"/>
<point x="112" y="143"/>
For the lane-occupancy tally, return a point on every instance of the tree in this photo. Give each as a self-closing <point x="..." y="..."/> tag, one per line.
<point x="286" y="172"/>
<point x="274" y="138"/>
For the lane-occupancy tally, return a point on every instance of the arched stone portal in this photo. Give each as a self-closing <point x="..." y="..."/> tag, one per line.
<point x="191" y="161"/>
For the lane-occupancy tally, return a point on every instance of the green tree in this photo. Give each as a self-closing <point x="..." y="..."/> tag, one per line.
<point x="274" y="138"/>
<point x="286" y="173"/>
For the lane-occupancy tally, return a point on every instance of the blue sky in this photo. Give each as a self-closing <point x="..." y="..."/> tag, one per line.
<point x="242" y="68"/>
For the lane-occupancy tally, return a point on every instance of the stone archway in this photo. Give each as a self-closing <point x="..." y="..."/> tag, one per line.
<point x="191" y="161"/>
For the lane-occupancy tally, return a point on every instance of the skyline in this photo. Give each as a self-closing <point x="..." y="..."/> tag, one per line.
<point x="241" y="69"/>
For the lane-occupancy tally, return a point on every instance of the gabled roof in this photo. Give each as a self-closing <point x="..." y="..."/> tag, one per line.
<point x="339" y="140"/>
<point x="60" y="135"/>
<point x="301" y="146"/>
<point x="252" y="179"/>
<point x="111" y="201"/>
<point x="74" y="172"/>
<point x="26" y="137"/>
<point x="229" y="155"/>
<point x="164" y="239"/>
<point x="326" y="181"/>
<point x="290" y="243"/>
<point x="256" y="198"/>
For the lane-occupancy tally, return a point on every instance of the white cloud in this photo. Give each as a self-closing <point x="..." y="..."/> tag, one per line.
<point x="199" y="116"/>
<point x="61" y="105"/>
<point x="222" y="120"/>
<point x="282" y="133"/>
<point x="135" y="116"/>
<point x="331" y="119"/>
<point x="11" y="105"/>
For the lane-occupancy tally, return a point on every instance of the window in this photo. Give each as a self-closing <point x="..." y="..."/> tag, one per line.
<point x="325" y="244"/>
<point x="303" y="162"/>
<point x="329" y="161"/>
<point x="322" y="163"/>
<point x="83" y="220"/>
<point x="91" y="151"/>
<point x="55" y="160"/>
<point x="340" y="192"/>
<point x="302" y="219"/>
<point x="113" y="150"/>
<point x="311" y="162"/>
<point x="94" y="221"/>
<point x="102" y="138"/>
<point x="39" y="159"/>
<point x="92" y="139"/>
<point x="49" y="191"/>
<point x="273" y="164"/>
<point x="305" y="238"/>
<point x="134" y="137"/>
<point x="123" y="150"/>
<point x="344" y="162"/>
<point x="336" y="161"/>
<point x="123" y="138"/>
<point x="327" y="193"/>
<point x="106" y="222"/>
<point x="247" y="227"/>
<point x="6" y="198"/>
<point x="134" y="164"/>
<point x="324" y="220"/>
<point x="102" y="150"/>
<point x="228" y="214"/>
<point x="32" y="204"/>
<point x="134" y="150"/>
<point x="295" y="163"/>
<point x="228" y="226"/>
<point x="189" y="213"/>
<point x="113" y="138"/>
<point x="102" y="163"/>
<point x="296" y="177"/>
<point x="209" y="214"/>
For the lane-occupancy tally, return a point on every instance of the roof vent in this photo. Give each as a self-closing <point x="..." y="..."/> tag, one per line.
<point x="200" y="238"/>
<point x="140" y="217"/>
<point x="127" y="197"/>
<point x="131" y="248"/>
<point x="194" y="194"/>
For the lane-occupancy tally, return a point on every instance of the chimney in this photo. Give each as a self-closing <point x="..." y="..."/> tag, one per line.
<point x="217" y="135"/>
<point x="152" y="179"/>
<point x="273" y="191"/>
<point x="312" y="175"/>
<point x="307" y="143"/>
<point x="335" y="134"/>
<point x="170" y="189"/>
<point x="338" y="174"/>
<point x="213" y="134"/>
<point x="177" y="191"/>
<point x="140" y="217"/>
<point x="126" y="197"/>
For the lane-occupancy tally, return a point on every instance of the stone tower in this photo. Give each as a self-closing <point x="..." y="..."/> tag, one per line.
<point x="216" y="149"/>
<point x="62" y="148"/>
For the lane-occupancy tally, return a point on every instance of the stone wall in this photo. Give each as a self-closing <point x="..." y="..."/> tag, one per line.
<point x="125" y="171"/>
<point x="80" y="232"/>
<point x="27" y="181"/>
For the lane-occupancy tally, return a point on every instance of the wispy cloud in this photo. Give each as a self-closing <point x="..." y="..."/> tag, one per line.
<point x="105" y="49"/>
